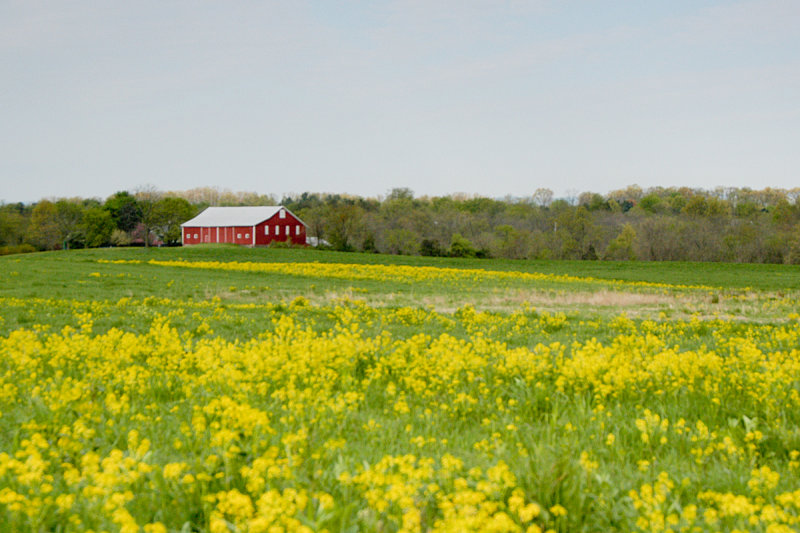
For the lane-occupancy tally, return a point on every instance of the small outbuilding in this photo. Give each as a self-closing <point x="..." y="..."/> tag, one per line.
<point x="248" y="226"/>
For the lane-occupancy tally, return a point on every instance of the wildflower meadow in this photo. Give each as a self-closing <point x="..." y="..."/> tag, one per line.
<point x="229" y="390"/>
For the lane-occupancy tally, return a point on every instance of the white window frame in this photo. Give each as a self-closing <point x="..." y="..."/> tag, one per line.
<point x="287" y="231"/>
<point x="282" y="213"/>
<point x="297" y="230"/>
<point x="266" y="230"/>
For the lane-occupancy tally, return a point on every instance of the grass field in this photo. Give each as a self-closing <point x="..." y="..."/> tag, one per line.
<point x="232" y="389"/>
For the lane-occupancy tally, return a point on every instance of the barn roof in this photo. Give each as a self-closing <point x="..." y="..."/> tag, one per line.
<point x="236" y="216"/>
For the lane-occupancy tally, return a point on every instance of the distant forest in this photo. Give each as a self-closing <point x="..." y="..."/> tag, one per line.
<point x="656" y="224"/>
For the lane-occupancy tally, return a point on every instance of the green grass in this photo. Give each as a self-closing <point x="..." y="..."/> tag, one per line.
<point x="52" y="289"/>
<point x="530" y="409"/>
<point x="63" y="273"/>
<point x="723" y="275"/>
<point x="80" y="276"/>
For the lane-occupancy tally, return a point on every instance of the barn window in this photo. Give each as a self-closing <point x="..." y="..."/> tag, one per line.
<point x="277" y="230"/>
<point x="283" y="213"/>
<point x="238" y="235"/>
<point x="266" y="230"/>
<point x="246" y="235"/>
<point x="287" y="230"/>
<point x="196" y="236"/>
<point x="297" y="230"/>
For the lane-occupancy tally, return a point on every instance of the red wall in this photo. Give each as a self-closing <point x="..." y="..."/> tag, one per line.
<point x="280" y="224"/>
<point x="243" y="235"/>
<point x="189" y="236"/>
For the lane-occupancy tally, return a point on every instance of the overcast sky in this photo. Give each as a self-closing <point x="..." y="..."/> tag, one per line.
<point x="493" y="97"/>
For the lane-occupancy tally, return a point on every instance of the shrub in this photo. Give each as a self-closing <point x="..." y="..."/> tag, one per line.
<point x="17" y="249"/>
<point x="461" y="247"/>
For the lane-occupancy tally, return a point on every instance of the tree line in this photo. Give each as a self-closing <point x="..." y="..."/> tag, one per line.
<point x="655" y="224"/>
<point x="145" y="217"/>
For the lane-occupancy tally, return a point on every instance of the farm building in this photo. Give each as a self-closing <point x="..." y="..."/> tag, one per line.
<point x="249" y="226"/>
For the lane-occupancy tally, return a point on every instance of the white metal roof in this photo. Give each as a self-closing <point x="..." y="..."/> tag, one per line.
<point x="235" y="216"/>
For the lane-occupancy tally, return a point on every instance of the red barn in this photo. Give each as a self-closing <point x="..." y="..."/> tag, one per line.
<point x="249" y="226"/>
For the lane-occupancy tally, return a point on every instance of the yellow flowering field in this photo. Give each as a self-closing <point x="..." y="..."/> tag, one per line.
<point x="268" y="407"/>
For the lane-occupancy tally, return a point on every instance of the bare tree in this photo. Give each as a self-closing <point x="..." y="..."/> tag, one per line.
<point x="148" y="197"/>
<point x="542" y="197"/>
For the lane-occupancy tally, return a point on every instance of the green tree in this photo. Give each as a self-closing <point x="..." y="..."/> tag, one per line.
<point x="169" y="214"/>
<point x="621" y="248"/>
<point x="650" y="203"/>
<point x="69" y="218"/>
<point x="14" y="221"/>
<point x="402" y="241"/>
<point x="509" y="242"/>
<point x="461" y="247"/>
<point x="430" y="248"/>
<point x="576" y="233"/>
<point x="43" y="230"/>
<point x="400" y="193"/>
<point x="745" y="209"/>
<point x="593" y="201"/>
<point x="125" y="210"/>
<point x="344" y="221"/>
<point x="97" y="227"/>
<point x="784" y="214"/>
<point x="696" y="206"/>
<point x="718" y="207"/>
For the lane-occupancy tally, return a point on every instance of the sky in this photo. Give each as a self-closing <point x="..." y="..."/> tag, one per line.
<point x="493" y="98"/>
